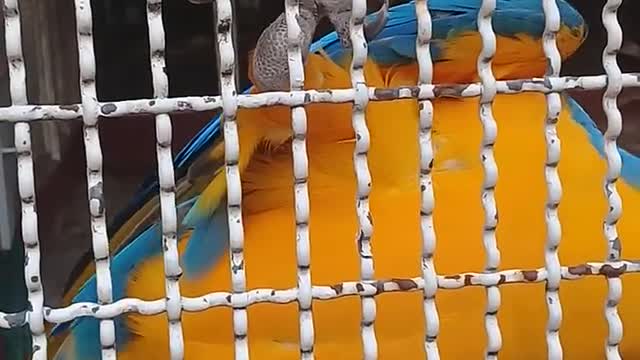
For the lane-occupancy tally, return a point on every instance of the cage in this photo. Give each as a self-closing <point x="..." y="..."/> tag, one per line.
<point x="99" y="72"/>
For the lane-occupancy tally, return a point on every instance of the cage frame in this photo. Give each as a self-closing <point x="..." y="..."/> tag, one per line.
<point x="21" y="113"/>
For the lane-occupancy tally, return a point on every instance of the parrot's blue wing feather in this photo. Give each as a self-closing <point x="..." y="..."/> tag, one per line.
<point x="205" y="247"/>
<point x="396" y="43"/>
<point x="201" y="141"/>
<point x="207" y="242"/>
<point x="87" y="330"/>
<point x="630" y="163"/>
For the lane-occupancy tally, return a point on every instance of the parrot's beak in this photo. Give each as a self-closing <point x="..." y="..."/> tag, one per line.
<point x="373" y="28"/>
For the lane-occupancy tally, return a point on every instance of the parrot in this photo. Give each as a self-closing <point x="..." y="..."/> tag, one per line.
<point x="265" y="165"/>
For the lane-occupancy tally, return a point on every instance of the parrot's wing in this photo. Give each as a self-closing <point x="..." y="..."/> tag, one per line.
<point x="630" y="163"/>
<point x="207" y="241"/>
<point x="144" y="208"/>
<point x="140" y="225"/>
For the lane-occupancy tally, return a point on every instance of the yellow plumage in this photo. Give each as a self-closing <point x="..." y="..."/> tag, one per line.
<point x="270" y="259"/>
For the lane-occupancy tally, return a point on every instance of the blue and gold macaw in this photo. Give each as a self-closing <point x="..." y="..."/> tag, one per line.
<point x="267" y="180"/>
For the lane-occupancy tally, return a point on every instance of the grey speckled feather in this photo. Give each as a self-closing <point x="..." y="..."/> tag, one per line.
<point x="270" y="67"/>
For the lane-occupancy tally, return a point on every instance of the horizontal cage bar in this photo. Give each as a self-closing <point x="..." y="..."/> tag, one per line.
<point x="18" y="113"/>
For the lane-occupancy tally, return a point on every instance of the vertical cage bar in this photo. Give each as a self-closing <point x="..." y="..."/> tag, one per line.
<point x="554" y="186"/>
<point x="363" y="176"/>
<point x="95" y="187"/>
<point x="490" y="131"/>
<point x="227" y="68"/>
<point x="429" y="275"/>
<point x="614" y="167"/>
<point x="26" y="181"/>
<point x="300" y="173"/>
<point x="166" y="178"/>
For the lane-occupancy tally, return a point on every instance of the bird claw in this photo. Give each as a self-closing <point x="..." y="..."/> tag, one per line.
<point x="339" y="13"/>
<point x="269" y="70"/>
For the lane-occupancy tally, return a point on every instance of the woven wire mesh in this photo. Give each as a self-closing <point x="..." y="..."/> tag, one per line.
<point x="21" y="113"/>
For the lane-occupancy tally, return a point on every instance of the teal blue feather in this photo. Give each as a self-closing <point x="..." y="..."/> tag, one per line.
<point x="207" y="243"/>
<point x="630" y="163"/>
<point x="145" y="246"/>
<point x="396" y="43"/>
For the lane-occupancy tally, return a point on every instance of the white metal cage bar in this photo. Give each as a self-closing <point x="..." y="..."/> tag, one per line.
<point x="429" y="274"/>
<point x="614" y="167"/>
<point x="554" y="186"/>
<point x="325" y="292"/>
<point x="16" y="113"/>
<point x="95" y="184"/>
<point x="363" y="176"/>
<point x="490" y="170"/>
<point x="301" y="190"/>
<point x="26" y="182"/>
<point x="321" y="292"/>
<point x="229" y="96"/>
<point x="166" y="181"/>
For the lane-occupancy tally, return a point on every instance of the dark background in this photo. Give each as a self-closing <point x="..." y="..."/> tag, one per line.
<point x="122" y="55"/>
